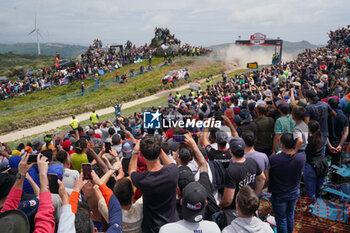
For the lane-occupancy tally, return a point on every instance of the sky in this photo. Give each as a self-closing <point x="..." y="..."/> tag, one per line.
<point x="198" y="22"/>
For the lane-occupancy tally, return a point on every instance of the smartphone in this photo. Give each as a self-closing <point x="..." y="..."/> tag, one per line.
<point x="86" y="171"/>
<point x="179" y="138"/>
<point x="53" y="184"/>
<point x="32" y="158"/>
<point x="108" y="146"/>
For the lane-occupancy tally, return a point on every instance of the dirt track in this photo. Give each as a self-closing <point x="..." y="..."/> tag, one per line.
<point x="18" y="134"/>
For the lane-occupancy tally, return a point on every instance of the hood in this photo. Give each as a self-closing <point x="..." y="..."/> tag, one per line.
<point x="253" y="224"/>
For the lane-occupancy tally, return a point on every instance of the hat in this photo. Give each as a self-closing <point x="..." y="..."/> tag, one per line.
<point x="193" y="202"/>
<point x="297" y="84"/>
<point x="185" y="177"/>
<point x="14" y="221"/>
<point x="251" y="106"/>
<point x="236" y="110"/>
<point x="14" y="161"/>
<point x="311" y="94"/>
<point x="29" y="207"/>
<point x="66" y="144"/>
<point x="127" y="148"/>
<point x="236" y="145"/>
<point x="260" y="102"/>
<point x="268" y="93"/>
<point x="28" y="149"/>
<point x="37" y="145"/>
<point x="6" y="183"/>
<point x="221" y="137"/>
<point x="244" y="114"/>
<point x="137" y="132"/>
<point x="227" y="98"/>
<point x="302" y="102"/>
<point x="320" y="85"/>
<point x="56" y="169"/>
<point x="229" y="113"/>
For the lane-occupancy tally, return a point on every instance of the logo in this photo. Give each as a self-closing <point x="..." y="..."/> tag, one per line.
<point x="152" y="120"/>
<point x="197" y="206"/>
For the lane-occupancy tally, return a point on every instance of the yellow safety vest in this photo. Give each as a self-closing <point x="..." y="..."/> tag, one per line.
<point x="94" y="118"/>
<point x="209" y="83"/>
<point x="74" y="123"/>
<point x="178" y="97"/>
<point x="193" y="94"/>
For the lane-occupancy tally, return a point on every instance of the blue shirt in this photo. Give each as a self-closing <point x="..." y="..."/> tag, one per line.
<point x="318" y="111"/>
<point x="285" y="172"/>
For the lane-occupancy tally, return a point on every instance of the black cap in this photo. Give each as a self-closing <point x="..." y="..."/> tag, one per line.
<point x="221" y="137"/>
<point x="237" y="145"/>
<point x="185" y="177"/>
<point x="193" y="202"/>
<point x="14" y="221"/>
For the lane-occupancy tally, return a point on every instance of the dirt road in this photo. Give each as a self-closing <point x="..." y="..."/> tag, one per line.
<point x="18" y="134"/>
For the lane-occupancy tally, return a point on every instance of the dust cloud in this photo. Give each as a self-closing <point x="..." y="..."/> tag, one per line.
<point x="241" y="55"/>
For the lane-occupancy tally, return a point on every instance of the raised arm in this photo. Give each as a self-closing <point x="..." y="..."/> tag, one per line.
<point x="133" y="161"/>
<point x="202" y="163"/>
<point x="14" y="197"/>
<point x="44" y="219"/>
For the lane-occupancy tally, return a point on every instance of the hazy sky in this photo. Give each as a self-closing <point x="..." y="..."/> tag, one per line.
<point x="199" y="22"/>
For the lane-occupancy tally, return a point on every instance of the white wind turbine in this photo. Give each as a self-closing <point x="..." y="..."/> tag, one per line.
<point x="36" y="30"/>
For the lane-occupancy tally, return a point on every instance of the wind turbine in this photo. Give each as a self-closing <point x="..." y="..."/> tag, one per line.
<point x="36" y="30"/>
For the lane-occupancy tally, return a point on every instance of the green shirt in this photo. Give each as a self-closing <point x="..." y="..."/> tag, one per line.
<point x="284" y="124"/>
<point x="77" y="160"/>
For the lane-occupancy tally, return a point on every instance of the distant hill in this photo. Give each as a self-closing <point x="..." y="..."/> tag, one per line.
<point x="48" y="49"/>
<point x="11" y="64"/>
<point x="292" y="48"/>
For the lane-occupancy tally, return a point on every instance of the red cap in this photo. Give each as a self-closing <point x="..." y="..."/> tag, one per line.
<point x="66" y="144"/>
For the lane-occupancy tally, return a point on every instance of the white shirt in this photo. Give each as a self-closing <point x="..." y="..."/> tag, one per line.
<point x="184" y="226"/>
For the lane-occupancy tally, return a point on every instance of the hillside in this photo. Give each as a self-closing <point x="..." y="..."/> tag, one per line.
<point x="48" y="49"/>
<point x="11" y="64"/>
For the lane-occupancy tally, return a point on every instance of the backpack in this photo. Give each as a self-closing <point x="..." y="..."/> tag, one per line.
<point x="218" y="172"/>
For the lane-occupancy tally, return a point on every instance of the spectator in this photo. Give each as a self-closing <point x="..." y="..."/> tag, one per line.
<point x="265" y="130"/>
<point x="247" y="203"/>
<point x="193" y="205"/>
<point x="284" y="183"/>
<point x="69" y="175"/>
<point x="242" y="172"/>
<point x="316" y="166"/>
<point x="284" y="124"/>
<point x="158" y="185"/>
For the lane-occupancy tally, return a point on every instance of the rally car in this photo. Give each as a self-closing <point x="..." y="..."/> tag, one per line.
<point x="175" y="75"/>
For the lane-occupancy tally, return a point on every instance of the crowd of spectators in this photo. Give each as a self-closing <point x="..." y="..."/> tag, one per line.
<point x="163" y="34"/>
<point x="276" y="127"/>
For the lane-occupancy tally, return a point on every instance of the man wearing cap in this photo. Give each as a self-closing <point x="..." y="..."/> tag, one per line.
<point x="243" y="171"/>
<point x="193" y="204"/>
<point x="221" y="155"/>
<point x="318" y="111"/>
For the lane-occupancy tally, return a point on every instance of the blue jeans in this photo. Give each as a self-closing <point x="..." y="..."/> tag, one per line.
<point x="312" y="182"/>
<point x="284" y="207"/>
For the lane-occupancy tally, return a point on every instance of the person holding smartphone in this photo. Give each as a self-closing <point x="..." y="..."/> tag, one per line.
<point x="44" y="219"/>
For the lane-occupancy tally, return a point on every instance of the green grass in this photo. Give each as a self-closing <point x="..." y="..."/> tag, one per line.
<point x="12" y="64"/>
<point x="162" y="101"/>
<point x="146" y="84"/>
